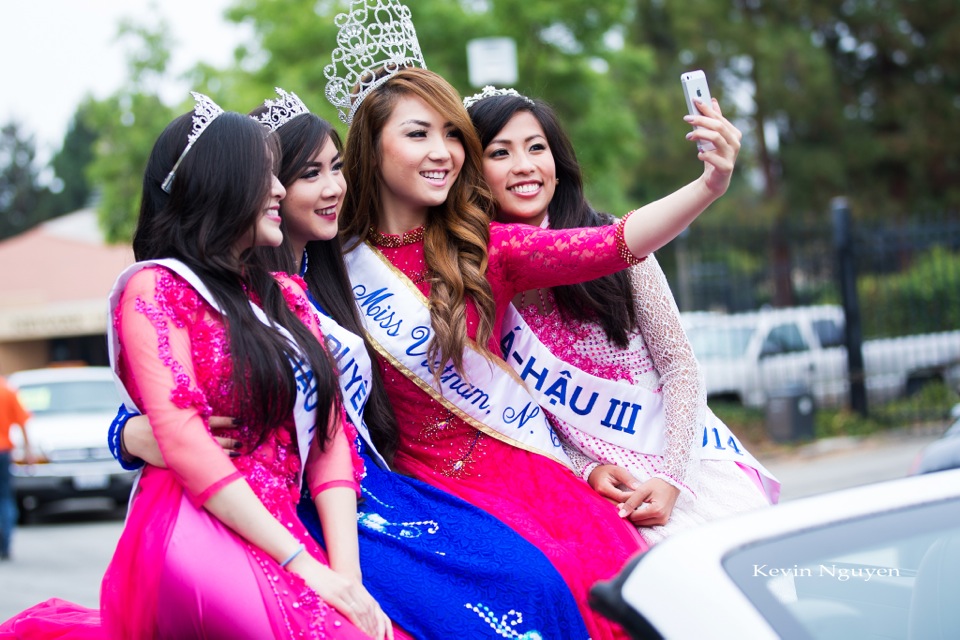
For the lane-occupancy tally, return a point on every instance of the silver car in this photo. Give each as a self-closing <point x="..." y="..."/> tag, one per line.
<point x="879" y="561"/>
<point x="71" y="408"/>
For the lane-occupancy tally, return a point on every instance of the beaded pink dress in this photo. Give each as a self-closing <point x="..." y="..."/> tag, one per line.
<point x="659" y="358"/>
<point x="175" y="362"/>
<point x="538" y="497"/>
<point x="178" y="572"/>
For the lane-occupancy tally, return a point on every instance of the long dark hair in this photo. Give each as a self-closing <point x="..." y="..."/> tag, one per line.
<point x="607" y="300"/>
<point x="216" y="198"/>
<point x="457" y="232"/>
<point x="301" y="139"/>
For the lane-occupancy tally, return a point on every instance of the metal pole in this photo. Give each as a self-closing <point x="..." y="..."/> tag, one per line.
<point x="847" y="279"/>
<point x="683" y="271"/>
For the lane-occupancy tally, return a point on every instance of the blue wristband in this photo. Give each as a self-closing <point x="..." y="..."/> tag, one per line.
<point x="113" y="439"/>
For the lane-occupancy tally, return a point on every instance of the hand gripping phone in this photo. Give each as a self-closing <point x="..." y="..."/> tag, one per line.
<point x="695" y="88"/>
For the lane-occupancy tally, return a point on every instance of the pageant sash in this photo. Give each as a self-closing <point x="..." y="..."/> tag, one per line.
<point x="305" y="409"/>
<point x="617" y="412"/>
<point x="355" y="372"/>
<point x="491" y="398"/>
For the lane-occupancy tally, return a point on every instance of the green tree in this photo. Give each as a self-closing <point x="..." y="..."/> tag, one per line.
<point x="70" y="164"/>
<point x="858" y="98"/>
<point x="897" y="73"/>
<point x="23" y="200"/>
<point x="568" y="55"/>
<point x="127" y="124"/>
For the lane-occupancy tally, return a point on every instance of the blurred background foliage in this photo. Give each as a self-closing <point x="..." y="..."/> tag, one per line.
<point x="859" y="98"/>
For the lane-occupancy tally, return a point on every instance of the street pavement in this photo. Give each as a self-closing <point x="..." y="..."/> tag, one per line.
<point x="841" y="463"/>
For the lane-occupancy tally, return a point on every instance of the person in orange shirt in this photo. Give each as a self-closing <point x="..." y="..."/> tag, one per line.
<point x="11" y="413"/>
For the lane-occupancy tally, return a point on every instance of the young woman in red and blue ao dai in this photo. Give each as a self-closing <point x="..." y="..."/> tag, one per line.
<point x="538" y="497"/>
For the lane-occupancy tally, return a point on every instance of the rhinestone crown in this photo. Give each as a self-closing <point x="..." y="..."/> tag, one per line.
<point x="205" y="111"/>
<point x="490" y="91"/>
<point x="281" y="111"/>
<point x="376" y="38"/>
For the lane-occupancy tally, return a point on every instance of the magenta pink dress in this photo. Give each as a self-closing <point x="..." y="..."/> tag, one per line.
<point x="178" y="572"/>
<point x="541" y="499"/>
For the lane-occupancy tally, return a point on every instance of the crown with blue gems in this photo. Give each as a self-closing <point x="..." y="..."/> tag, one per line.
<point x="205" y="111"/>
<point x="376" y="39"/>
<point x="281" y="111"/>
<point x="490" y="91"/>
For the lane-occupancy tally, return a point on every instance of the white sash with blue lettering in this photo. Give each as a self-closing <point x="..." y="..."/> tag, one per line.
<point x="355" y="373"/>
<point x="617" y="412"/>
<point x="305" y="409"/>
<point x="397" y="319"/>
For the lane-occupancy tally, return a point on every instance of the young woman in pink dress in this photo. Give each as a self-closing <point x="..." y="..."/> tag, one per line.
<point x="622" y="327"/>
<point x="212" y="545"/>
<point x="433" y="278"/>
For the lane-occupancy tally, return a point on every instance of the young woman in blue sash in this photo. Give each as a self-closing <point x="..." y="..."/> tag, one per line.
<point x="624" y="327"/>
<point x="439" y="566"/>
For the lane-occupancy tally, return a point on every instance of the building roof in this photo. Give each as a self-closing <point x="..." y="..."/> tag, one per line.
<point x="56" y="277"/>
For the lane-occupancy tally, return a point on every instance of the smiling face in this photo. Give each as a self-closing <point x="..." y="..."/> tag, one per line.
<point x="268" y="224"/>
<point x="421" y="155"/>
<point x="314" y="198"/>
<point x="520" y="169"/>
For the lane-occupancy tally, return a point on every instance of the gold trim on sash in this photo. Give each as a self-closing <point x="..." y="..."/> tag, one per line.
<point x="431" y="390"/>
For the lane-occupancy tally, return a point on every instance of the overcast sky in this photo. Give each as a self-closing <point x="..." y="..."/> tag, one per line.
<point x="54" y="52"/>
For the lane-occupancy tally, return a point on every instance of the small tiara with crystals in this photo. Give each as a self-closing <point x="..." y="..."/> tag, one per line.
<point x="490" y="91"/>
<point x="375" y="40"/>
<point x="281" y="111"/>
<point x="204" y="112"/>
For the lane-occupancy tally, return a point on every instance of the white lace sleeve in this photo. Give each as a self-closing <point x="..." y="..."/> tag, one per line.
<point x="583" y="465"/>
<point x="684" y="392"/>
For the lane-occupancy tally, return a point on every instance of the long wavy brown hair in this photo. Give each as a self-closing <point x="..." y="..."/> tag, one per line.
<point x="457" y="232"/>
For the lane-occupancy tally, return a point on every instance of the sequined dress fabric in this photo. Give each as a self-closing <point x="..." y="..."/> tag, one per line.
<point x="177" y="571"/>
<point x="539" y="498"/>
<point x="442" y="568"/>
<point x="175" y="361"/>
<point x="658" y="358"/>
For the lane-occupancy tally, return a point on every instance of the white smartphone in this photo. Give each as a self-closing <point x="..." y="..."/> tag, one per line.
<point x="695" y="88"/>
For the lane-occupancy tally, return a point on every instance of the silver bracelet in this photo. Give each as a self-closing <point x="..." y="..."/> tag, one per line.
<point x="293" y="555"/>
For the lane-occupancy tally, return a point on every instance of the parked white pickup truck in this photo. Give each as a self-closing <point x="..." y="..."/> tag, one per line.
<point x="747" y="357"/>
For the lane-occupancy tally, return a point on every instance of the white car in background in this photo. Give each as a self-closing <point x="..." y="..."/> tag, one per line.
<point x="753" y="356"/>
<point x="880" y="561"/>
<point x="71" y="408"/>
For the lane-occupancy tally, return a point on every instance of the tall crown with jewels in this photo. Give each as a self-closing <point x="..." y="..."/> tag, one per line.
<point x="376" y="39"/>
<point x="281" y="111"/>
<point x="205" y="111"/>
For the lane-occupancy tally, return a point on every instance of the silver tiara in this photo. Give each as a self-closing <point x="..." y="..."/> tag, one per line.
<point x="205" y="111"/>
<point x="376" y="39"/>
<point x="279" y="112"/>
<point x="490" y="91"/>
